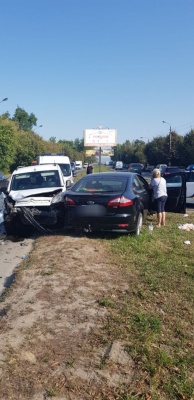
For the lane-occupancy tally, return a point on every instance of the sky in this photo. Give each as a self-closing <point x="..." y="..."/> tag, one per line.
<point x="80" y="64"/>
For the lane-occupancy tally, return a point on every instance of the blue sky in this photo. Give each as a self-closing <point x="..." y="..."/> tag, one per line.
<point x="77" y="64"/>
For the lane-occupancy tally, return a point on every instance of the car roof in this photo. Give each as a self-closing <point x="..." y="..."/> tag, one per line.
<point x="110" y="175"/>
<point x="135" y="163"/>
<point x="173" y="166"/>
<point x="38" y="168"/>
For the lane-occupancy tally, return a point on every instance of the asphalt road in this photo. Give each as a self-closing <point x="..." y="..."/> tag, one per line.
<point x="12" y="252"/>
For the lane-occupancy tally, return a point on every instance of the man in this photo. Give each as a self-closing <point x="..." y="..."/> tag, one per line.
<point x="89" y="169"/>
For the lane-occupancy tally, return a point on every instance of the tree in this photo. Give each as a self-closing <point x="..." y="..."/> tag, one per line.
<point x="28" y="146"/>
<point x="7" y="144"/>
<point x="24" y="120"/>
<point x="186" y="149"/>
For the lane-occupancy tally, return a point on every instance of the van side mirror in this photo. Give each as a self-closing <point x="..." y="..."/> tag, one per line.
<point x="68" y="184"/>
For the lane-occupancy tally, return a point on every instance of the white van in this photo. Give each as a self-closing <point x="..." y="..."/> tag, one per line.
<point x="61" y="160"/>
<point x="119" y="165"/>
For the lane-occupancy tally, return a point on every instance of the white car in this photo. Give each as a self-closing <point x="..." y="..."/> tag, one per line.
<point x="85" y="165"/>
<point x="189" y="186"/>
<point x="34" y="200"/>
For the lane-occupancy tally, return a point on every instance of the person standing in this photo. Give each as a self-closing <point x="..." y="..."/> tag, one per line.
<point x="158" y="185"/>
<point x="89" y="169"/>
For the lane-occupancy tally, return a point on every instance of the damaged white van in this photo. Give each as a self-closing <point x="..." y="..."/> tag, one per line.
<point x="34" y="200"/>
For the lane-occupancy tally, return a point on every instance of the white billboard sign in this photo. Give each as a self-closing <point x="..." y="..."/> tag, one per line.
<point x="100" y="137"/>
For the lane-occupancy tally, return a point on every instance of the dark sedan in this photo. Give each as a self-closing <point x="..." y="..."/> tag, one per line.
<point x="136" y="167"/>
<point x="169" y="170"/>
<point x="117" y="202"/>
<point x="108" y="202"/>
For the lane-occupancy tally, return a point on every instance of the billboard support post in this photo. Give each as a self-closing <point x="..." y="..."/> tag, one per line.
<point x="99" y="159"/>
<point x="100" y="137"/>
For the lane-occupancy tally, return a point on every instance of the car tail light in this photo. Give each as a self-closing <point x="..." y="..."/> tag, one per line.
<point x="123" y="225"/>
<point x="69" y="201"/>
<point x="120" y="201"/>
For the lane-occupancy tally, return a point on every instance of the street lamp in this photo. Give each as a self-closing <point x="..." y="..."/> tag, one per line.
<point x="40" y="126"/>
<point x="164" y="122"/>
<point x="5" y="99"/>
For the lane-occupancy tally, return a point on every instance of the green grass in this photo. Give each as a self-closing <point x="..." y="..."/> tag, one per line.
<point x="155" y="316"/>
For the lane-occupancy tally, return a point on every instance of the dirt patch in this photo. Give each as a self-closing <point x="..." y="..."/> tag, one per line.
<point x="51" y="320"/>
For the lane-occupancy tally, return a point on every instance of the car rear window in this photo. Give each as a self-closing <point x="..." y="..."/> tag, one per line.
<point x="100" y="185"/>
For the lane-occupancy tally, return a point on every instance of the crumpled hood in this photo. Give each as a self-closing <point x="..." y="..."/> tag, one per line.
<point x="33" y="197"/>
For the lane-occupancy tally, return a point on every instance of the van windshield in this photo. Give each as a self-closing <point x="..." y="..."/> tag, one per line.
<point x="66" y="169"/>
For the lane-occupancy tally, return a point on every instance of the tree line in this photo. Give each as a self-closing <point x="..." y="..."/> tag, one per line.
<point x="20" y="145"/>
<point x="172" y="149"/>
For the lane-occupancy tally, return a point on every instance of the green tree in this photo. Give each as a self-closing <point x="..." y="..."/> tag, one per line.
<point x="7" y="144"/>
<point x="24" y="120"/>
<point x="186" y="149"/>
<point x="28" y="146"/>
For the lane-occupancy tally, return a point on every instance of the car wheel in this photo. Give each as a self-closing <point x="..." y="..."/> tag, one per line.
<point x="139" y="224"/>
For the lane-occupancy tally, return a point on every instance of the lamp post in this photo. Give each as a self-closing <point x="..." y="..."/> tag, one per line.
<point x="170" y="139"/>
<point x="5" y="99"/>
<point x="40" y="126"/>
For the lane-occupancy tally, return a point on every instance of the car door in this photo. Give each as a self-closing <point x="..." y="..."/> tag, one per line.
<point x="140" y="189"/>
<point x="190" y="187"/>
<point x="176" y="189"/>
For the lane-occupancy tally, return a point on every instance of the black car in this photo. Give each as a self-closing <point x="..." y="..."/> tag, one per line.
<point x="169" y="170"/>
<point x="136" y="167"/>
<point x="117" y="202"/>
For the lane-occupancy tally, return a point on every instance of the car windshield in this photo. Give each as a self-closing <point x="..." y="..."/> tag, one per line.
<point x="66" y="169"/>
<point x="35" y="180"/>
<point x="101" y="185"/>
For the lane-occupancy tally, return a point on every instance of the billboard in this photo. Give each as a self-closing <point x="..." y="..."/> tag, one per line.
<point x="100" y="137"/>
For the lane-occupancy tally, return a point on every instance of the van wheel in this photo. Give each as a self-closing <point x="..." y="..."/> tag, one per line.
<point x="139" y="224"/>
<point x="17" y="229"/>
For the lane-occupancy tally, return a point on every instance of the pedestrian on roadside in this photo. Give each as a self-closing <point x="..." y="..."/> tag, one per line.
<point x="158" y="185"/>
<point x="89" y="169"/>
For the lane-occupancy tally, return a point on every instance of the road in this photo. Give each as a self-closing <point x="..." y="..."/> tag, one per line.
<point x="12" y="252"/>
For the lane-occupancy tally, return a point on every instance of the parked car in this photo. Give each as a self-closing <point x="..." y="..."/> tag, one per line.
<point x="148" y="168"/>
<point x="190" y="167"/>
<point x="136" y="167"/>
<point x="117" y="202"/>
<point x="168" y="170"/>
<point x="160" y="166"/>
<point x="34" y="200"/>
<point x="3" y="180"/>
<point x="189" y="186"/>
<point x="85" y="165"/>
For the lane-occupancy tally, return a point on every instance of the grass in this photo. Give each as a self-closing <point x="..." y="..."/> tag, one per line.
<point x="155" y="317"/>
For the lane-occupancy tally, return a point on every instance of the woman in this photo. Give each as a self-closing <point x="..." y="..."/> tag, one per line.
<point x="158" y="185"/>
